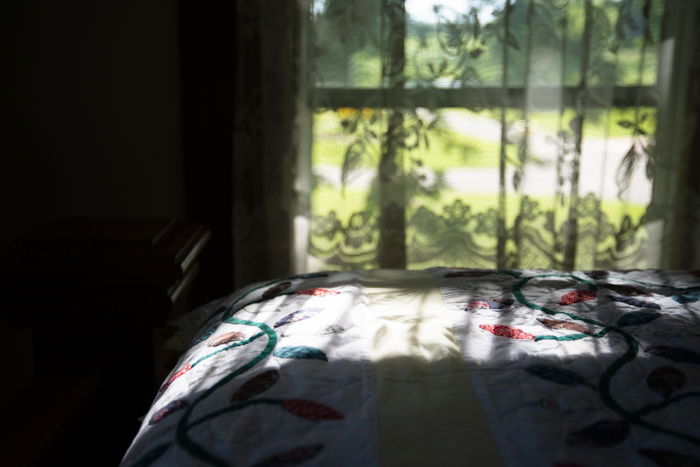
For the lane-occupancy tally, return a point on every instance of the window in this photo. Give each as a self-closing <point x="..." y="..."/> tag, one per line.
<point x="498" y="134"/>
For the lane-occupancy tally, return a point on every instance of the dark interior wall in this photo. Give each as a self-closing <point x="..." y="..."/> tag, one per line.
<point x="207" y="56"/>
<point x="93" y="111"/>
<point x="91" y="121"/>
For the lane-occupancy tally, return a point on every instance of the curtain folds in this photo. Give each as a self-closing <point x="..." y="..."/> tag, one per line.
<point x="266" y="138"/>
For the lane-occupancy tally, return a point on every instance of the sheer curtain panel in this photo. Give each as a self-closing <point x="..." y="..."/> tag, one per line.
<point x="498" y="134"/>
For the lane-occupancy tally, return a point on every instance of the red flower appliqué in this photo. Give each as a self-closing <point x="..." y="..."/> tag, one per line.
<point x="177" y="374"/>
<point x="477" y="305"/>
<point x="311" y="410"/>
<point x="576" y="296"/>
<point x="507" y="331"/>
<point x="317" y="292"/>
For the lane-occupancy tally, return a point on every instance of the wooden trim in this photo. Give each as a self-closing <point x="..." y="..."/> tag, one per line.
<point x="542" y="98"/>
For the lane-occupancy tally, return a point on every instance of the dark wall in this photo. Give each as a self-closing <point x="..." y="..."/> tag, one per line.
<point x="207" y="54"/>
<point x="91" y="120"/>
<point x="93" y="110"/>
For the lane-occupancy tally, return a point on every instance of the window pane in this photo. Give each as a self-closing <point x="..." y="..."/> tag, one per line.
<point x="346" y="46"/>
<point x="553" y="170"/>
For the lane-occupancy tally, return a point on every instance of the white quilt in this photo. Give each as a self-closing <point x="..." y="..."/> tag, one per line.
<point x="439" y="367"/>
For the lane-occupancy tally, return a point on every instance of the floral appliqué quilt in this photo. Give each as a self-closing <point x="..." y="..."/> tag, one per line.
<point x="440" y="367"/>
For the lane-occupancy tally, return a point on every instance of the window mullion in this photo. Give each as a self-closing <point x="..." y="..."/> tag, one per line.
<point x="547" y="98"/>
<point x="392" y="204"/>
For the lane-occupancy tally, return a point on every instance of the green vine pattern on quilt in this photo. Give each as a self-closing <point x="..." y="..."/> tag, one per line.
<point x="666" y="381"/>
<point x="636" y="318"/>
<point x="244" y="396"/>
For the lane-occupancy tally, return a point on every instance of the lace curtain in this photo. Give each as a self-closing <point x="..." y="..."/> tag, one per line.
<point x="475" y="133"/>
<point x="498" y="134"/>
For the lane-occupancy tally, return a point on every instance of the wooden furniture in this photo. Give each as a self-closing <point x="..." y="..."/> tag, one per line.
<point x="96" y="293"/>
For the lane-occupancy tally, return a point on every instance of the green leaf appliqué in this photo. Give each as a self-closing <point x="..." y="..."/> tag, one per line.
<point x="556" y="375"/>
<point x="689" y="296"/>
<point x="636" y="318"/>
<point x="300" y="352"/>
<point x="677" y="354"/>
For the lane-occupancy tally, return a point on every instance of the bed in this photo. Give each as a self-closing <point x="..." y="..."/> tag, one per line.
<point x="444" y="367"/>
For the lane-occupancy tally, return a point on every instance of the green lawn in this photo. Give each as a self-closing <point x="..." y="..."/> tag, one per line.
<point x="447" y="148"/>
<point x="442" y="153"/>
